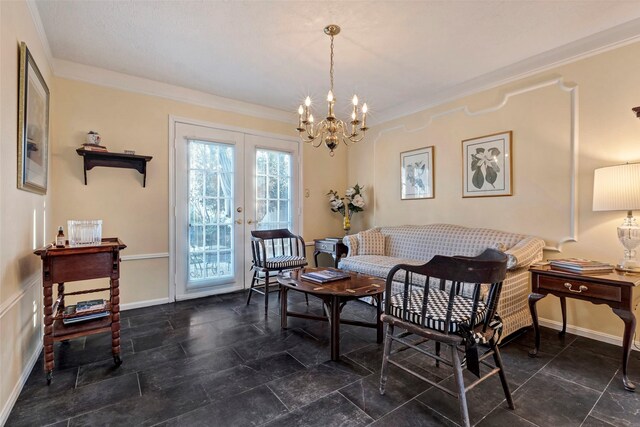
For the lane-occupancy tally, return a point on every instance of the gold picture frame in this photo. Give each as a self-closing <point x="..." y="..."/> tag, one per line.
<point x="487" y="166"/>
<point x="33" y="126"/>
<point x="416" y="174"/>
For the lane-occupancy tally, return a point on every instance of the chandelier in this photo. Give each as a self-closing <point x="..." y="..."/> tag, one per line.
<point x="331" y="130"/>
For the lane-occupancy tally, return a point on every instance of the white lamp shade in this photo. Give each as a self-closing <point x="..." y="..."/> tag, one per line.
<point x="617" y="188"/>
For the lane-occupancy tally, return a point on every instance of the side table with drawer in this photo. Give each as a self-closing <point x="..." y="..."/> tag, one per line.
<point x="614" y="289"/>
<point x="332" y="246"/>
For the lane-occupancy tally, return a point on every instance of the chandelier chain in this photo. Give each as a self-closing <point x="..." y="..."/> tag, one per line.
<point x="331" y="67"/>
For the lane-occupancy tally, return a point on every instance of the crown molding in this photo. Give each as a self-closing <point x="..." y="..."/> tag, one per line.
<point x="42" y="35"/>
<point x="592" y="45"/>
<point x="115" y="80"/>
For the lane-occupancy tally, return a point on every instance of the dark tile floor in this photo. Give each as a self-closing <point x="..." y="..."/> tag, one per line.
<point x="215" y="361"/>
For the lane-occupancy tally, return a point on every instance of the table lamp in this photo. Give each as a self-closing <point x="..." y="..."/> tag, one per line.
<point x="617" y="188"/>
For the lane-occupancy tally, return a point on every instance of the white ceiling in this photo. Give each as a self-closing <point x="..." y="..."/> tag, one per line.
<point x="399" y="56"/>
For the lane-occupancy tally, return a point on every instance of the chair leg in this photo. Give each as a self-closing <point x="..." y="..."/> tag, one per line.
<point x="437" y="353"/>
<point x="266" y="292"/>
<point x="462" y="397"/>
<point x="306" y="298"/>
<point x="253" y="281"/>
<point x="384" y="372"/>
<point x="503" y="378"/>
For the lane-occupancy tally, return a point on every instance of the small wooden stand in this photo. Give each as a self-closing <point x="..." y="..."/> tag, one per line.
<point x="68" y="264"/>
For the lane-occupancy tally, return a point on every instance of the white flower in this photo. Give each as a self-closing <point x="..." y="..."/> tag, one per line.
<point x="336" y="204"/>
<point x="332" y="198"/>
<point x="350" y="192"/>
<point x="358" y="201"/>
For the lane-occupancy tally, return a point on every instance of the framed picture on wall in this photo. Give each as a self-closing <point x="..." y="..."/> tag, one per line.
<point x="487" y="166"/>
<point x="33" y="125"/>
<point x="416" y="174"/>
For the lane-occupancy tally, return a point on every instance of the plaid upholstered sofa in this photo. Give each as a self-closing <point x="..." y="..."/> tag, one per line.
<point x="417" y="244"/>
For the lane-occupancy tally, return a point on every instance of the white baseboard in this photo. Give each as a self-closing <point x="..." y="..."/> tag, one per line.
<point x="8" y="405"/>
<point x="140" y="304"/>
<point x="587" y="333"/>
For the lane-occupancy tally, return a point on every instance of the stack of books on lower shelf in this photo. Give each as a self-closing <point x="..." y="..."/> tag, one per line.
<point x="85" y="310"/>
<point x="579" y="265"/>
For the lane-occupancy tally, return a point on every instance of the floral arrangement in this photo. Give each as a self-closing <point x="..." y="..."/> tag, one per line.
<point x="353" y="200"/>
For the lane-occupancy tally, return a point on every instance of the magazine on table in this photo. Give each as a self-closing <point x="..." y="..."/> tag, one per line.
<point x="324" y="276"/>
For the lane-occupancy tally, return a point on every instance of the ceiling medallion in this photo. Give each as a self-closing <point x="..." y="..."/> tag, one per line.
<point x="331" y="130"/>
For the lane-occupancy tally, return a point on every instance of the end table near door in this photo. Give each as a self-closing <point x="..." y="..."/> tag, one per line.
<point x="332" y="246"/>
<point x="614" y="289"/>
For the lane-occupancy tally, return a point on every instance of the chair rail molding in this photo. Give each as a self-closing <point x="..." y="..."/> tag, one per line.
<point x="136" y="257"/>
<point x="571" y="89"/>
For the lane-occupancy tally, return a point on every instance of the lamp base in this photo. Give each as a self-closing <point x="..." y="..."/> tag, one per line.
<point x="628" y="269"/>
<point x="629" y="266"/>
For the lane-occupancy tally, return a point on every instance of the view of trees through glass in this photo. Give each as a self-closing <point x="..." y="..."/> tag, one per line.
<point x="273" y="189"/>
<point x="211" y="183"/>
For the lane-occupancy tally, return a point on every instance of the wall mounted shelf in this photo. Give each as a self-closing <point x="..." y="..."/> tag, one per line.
<point x="114" y="160"/>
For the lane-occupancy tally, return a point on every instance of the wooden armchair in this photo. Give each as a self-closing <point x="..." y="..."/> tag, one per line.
<point x="434" y="307"/>
<point x="274" y="251"/>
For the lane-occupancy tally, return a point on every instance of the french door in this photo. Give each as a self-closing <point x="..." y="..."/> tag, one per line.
<point x="227" y="183"/>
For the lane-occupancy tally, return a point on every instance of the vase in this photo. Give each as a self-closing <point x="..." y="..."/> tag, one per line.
<point x="346" y="222"/>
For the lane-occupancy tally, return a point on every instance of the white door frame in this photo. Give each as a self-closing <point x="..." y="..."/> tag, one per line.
<point x="173" y="120"/>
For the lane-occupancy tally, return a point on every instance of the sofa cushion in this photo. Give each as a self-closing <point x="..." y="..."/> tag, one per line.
<point x="371" y="243"/>
<point x="374" y="265"/>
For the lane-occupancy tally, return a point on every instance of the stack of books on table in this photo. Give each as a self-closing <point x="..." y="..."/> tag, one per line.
<point x="94" y="147"/>
<point x="324" y="276"/>
<point x="85" y="310"/>
<point x="579" y="265"/>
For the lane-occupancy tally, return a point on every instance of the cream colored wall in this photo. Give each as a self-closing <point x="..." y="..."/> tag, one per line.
<point x="540" y="117"/>
<point x="22" y="214"/>
<point x="140" y="216"/>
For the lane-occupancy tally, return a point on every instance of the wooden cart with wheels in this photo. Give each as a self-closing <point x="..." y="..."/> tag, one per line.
<point x="69" y="264"/>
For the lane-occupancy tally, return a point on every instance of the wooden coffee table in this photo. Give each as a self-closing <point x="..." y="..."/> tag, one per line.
<point x="334" y="296"/>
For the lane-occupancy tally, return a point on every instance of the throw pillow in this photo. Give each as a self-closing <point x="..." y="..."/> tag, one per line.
<point x="371" y="243"/>
<point x="512" y="261"/>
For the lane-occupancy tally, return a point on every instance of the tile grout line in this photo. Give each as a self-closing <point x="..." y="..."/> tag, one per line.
<point x="139" y="386"/>
<point x="600" y="397"/>
<point x="278" y="397"/>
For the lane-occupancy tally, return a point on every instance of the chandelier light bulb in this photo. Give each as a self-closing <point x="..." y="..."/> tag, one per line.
<point x="311" y="118"/>
<point x="364" y="108"/>
<point x="355" y="100"/>
<point x="307" y="101"/>
<point x="330" y="96"/>
<point x="353" y="115"/>
<point x="300" y="110"/>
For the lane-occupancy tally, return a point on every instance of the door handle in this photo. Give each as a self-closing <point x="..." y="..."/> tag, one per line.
<point x="238" y="221"/>
<point x="249" y="221"/>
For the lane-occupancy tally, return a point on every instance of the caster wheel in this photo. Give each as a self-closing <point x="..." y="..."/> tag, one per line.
<point x="117" y="361"/>
<point x="49" y="377"/>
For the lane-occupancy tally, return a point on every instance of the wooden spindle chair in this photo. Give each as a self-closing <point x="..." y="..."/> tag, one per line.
<point x="435" y="304"/>
<point x="274" y="251"/>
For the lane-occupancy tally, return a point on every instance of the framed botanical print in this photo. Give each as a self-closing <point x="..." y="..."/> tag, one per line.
<point x="487" y="166"/>
<point x="416" y="174"/>
<point x="33" y="125"/>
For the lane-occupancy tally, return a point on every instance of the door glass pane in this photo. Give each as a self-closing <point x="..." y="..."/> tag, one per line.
<point x="210" y="206"/>
<point x="273" y="203"/>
